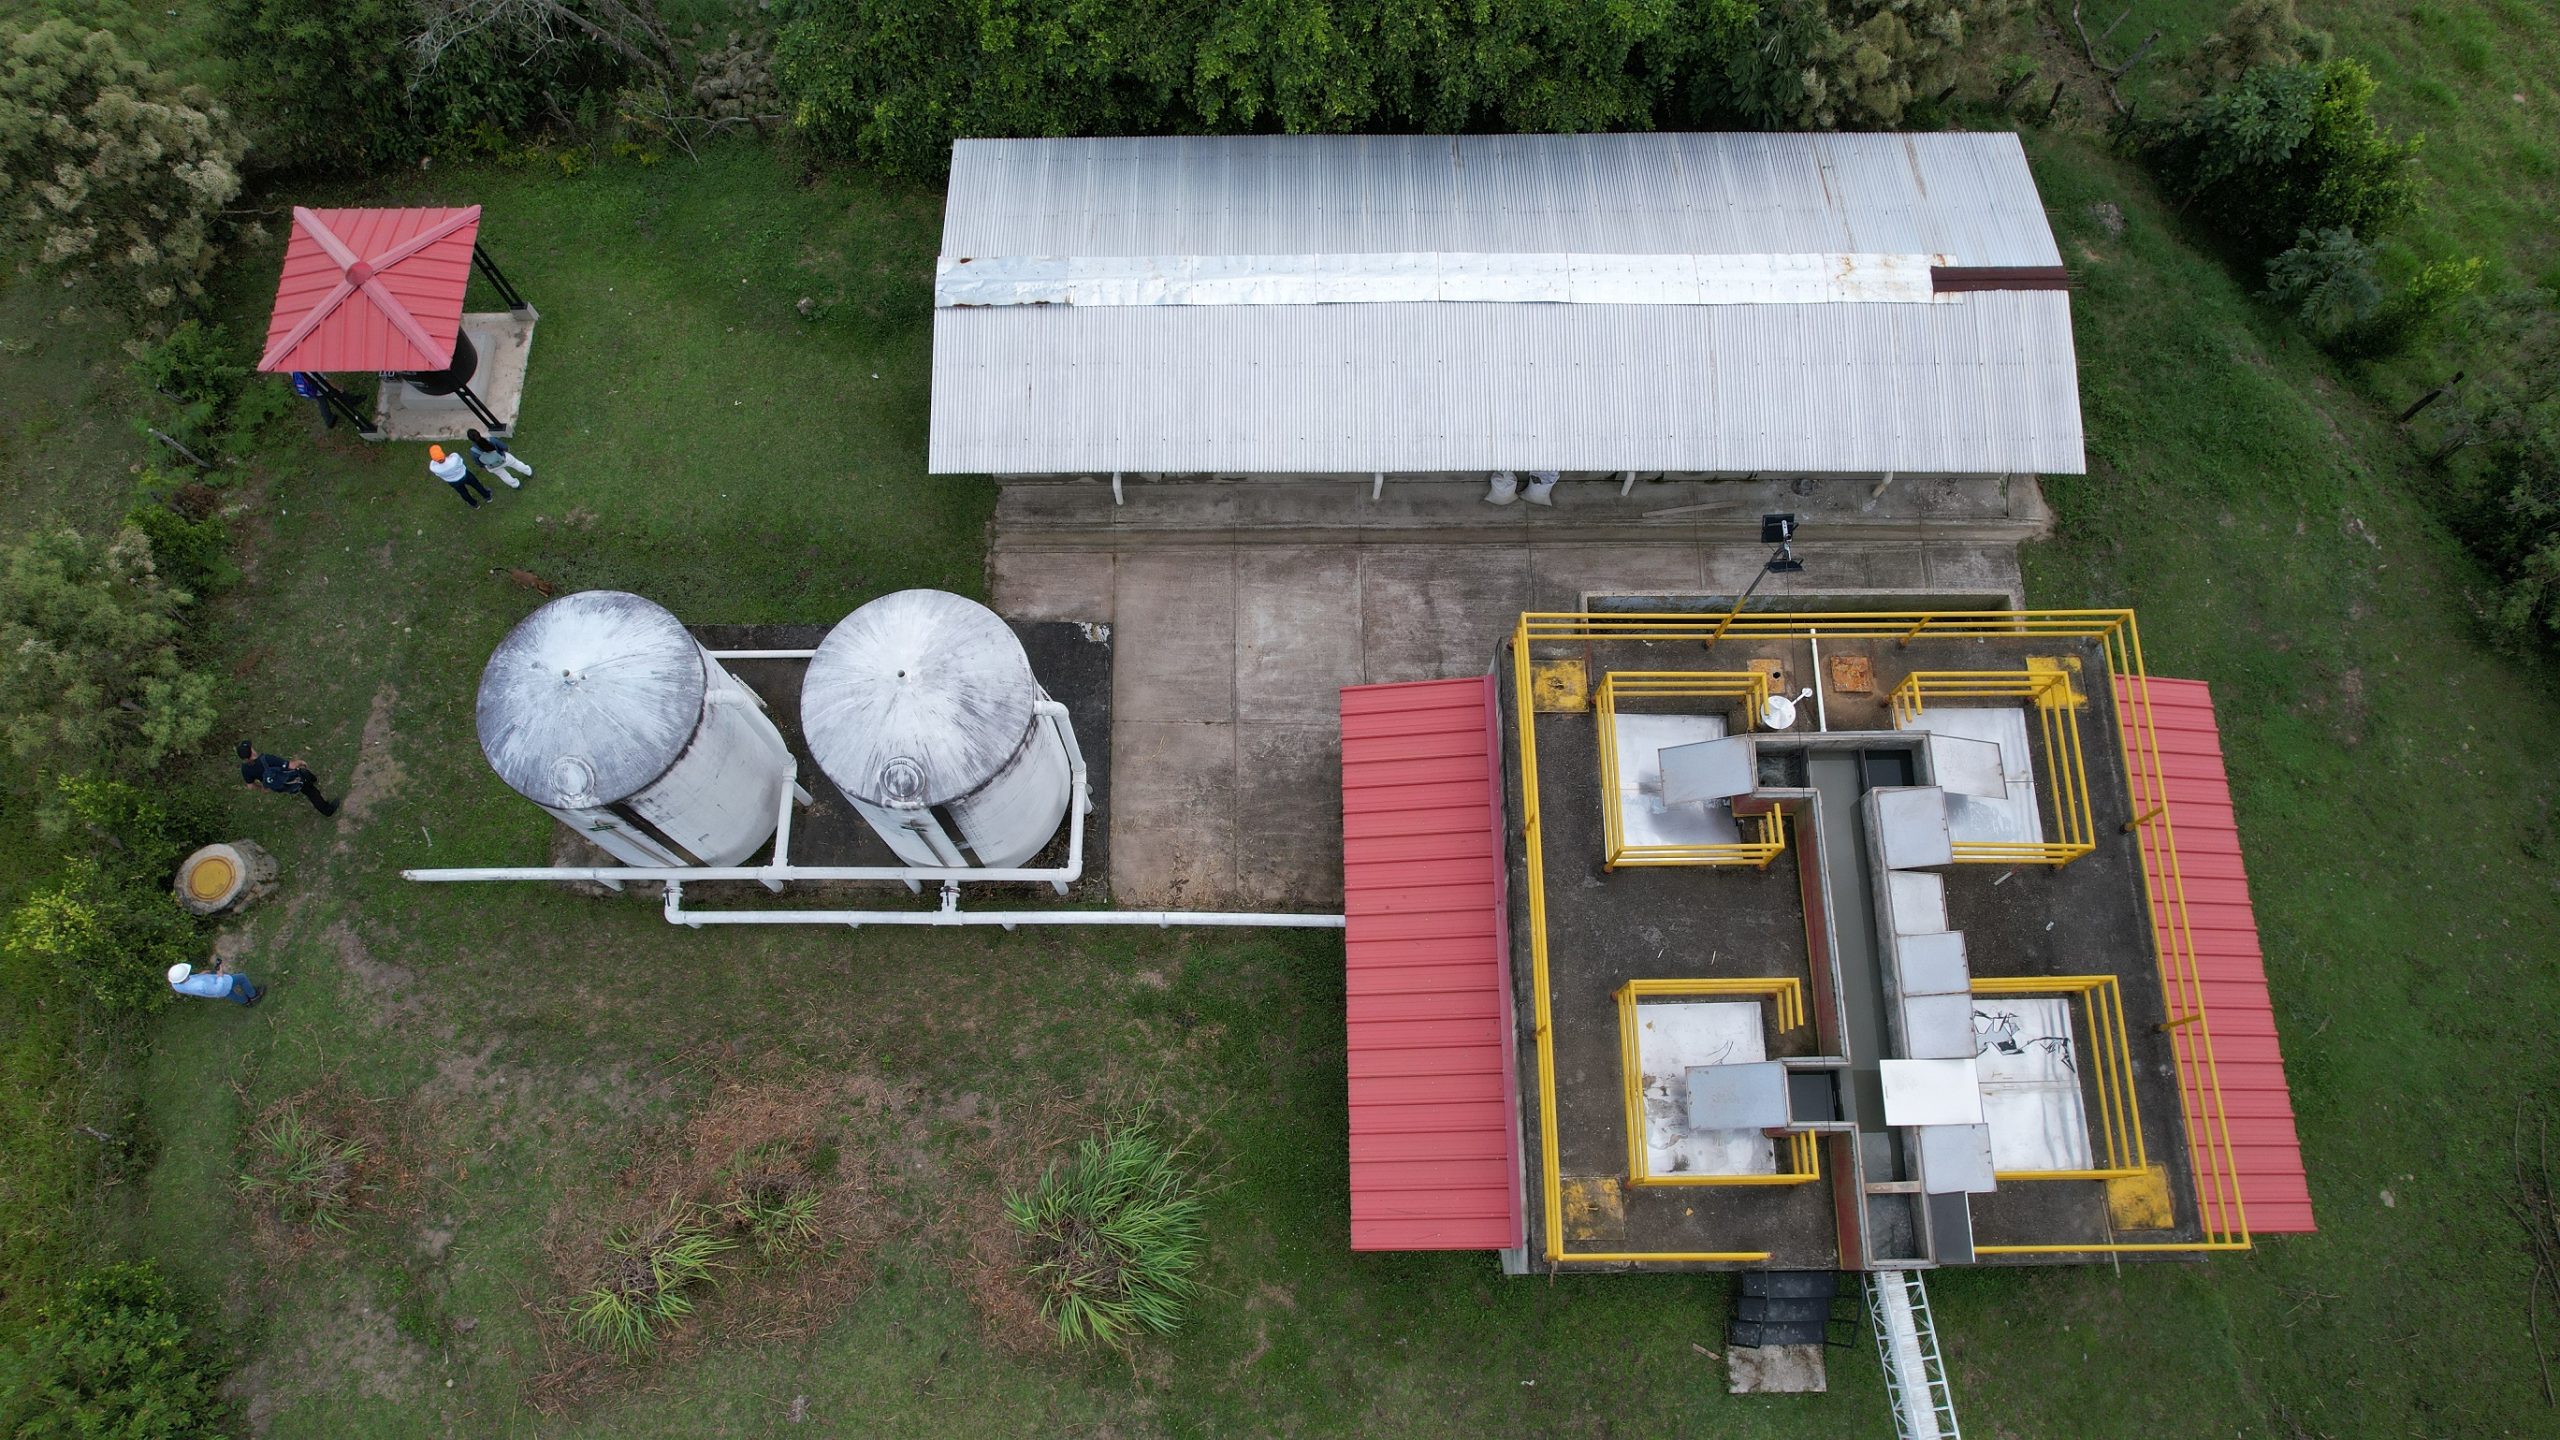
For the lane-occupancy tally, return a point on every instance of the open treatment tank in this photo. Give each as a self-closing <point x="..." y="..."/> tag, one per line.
<point x="921" y="707"/>
<point x="602" y="709"/>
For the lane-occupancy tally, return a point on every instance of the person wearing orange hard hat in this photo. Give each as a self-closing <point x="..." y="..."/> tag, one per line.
<point x="451" y="470"/>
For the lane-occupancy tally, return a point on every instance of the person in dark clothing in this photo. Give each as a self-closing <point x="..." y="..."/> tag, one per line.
<point x="285" y="777"/>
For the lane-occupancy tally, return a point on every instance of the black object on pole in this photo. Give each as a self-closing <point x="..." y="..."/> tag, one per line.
<point x="507" y="292"/>
<point x="1778" y="530"/>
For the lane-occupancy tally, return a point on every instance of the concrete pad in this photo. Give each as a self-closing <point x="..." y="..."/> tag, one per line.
<point x="505" y="343"/>
<point x="1174" y="628"/>
<point x="1173" y="840"/>
<point x="1560" y="575"/>
<point x="1053" y="584"/>
<point x="1439" y="613"/>
<point x="1298" y="636"/>
<point x="1985" y="569"/>
<point x="1775" y="1370"/>
<point x="1289" y="815"/>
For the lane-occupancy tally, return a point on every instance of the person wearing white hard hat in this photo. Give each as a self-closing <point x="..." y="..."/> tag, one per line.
<point x="213" y="984"/>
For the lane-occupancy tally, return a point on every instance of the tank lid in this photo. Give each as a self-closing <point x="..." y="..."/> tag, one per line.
<point x="917" y="699"/>
<point x="590" y="699"/>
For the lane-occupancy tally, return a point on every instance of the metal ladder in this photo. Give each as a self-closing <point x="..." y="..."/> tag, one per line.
<point x="1907" y="1342"/>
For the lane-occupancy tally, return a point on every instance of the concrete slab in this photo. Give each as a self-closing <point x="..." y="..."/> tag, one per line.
<point x="1775" y="1370"/>
<point x="1289" y="815"/>
<point x="1437" y="613"/>
<point x="1174" y="837"/>
<point x="1298" y="633"/>
<point x="1560" y="575"/>
<point x="505" y="343"/>
<point x="1175" y="625"/>
<point x="1053" y="584"/>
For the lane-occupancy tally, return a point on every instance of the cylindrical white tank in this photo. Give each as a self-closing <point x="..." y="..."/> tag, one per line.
<point x="920" y="707"/>
<point x="602" y="709"/>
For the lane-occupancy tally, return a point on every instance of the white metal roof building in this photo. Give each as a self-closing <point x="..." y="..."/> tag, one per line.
<point x="1697" y="303"/>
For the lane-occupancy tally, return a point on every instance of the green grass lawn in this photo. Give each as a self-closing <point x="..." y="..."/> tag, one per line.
<point x="699" y="439"/>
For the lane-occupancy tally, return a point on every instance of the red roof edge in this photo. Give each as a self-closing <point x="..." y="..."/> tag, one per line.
<point x="2266" y="1149"/>
<point x="1434" y="1083"/>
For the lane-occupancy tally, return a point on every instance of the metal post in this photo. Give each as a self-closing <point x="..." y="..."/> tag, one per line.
<point x="506" y="292"/>
<point x="482" y="411"/>
<point x="346" y="405"/>
<point x="1727" y="622"/>
<point x="2145" y="818"/>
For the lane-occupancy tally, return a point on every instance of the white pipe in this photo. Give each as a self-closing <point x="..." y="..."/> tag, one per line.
<point x="763" y="654"/>
<point x="856" y="919"/>
<point x="1821" y="712"/>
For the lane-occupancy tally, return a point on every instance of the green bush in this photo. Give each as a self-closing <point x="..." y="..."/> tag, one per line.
<point x="143" y="833"/>
<point x="1114" y="1235"/>
<point x="2330" y="282"/>
<point x="2287" y="149"/>
<point x="110" y="1361"/>
<point x="108" y="936"/>
<point x="111" y="173"/>
<point x="310" y="1176"/>
<point x="89" y="653"/>
<point x="655" y="1265"/>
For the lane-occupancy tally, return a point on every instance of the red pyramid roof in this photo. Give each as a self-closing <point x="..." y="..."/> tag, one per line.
<point x="372" y="289"/>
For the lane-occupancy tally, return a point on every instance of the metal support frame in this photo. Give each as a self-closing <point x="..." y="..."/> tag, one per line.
<point x="776" y="874"/>
<point x="345" y="404"/>
<point x="1785" y="994"/>
<point x="1749" y="690"/>
<point x="506" y="291"/>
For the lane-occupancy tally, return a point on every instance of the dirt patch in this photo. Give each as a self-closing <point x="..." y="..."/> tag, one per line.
<point x="836" y="1147"/>
<point x="359" y="1343"/>
<point x="391" y="991"/>
<point x="376" y="775"/>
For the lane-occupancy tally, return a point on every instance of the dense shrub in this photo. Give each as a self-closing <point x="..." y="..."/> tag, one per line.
<point x="110" y="172"/>
<point x="2505" y="495"/>
<point x="102" y="933"/>
<point x="895" y="83"/>
<point x="110" y="1361"/>
<point x="655" y="1266"/>
<point x="90" y="667"/>
<point x="126" y="827"/>
<point x="2332" y="284"/>
<point x="2287" y="149"/>
<point x="348" y="84"/>
<point x="1114" y="1235"/>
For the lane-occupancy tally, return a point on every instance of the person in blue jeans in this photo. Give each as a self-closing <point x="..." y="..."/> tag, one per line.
<point x="213" y="985"/>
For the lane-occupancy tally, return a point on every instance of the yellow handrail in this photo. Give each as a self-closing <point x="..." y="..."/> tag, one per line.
<point x="2066" y="772"/>
<point x="1786" y="995"/>
<point x="2110" y="1067"/>
<point x="2222" y="1218"/>
<point x="1751" y="689"/>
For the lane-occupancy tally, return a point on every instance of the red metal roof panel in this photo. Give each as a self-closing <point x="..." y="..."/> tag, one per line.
<point x="371" y="289"/>
<point x="1434" y="1100"/>
<point x="2248" y="1062"/>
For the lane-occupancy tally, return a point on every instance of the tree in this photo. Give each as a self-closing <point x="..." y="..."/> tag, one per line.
<point x="102" y="932"/>
<point x="89" y="661"/>
<point x="111" y="172"/>
<point x="1851" y="64"/>
<point x="2289" y="148"/>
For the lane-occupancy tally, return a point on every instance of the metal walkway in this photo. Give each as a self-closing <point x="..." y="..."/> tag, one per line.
<point x="1907" y="1342"/>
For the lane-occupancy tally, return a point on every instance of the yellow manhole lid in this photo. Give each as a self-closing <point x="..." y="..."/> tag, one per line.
<point x="211" y="878"/>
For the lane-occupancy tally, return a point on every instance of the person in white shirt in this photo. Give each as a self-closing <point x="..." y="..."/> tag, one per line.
<point x="213" y="985"/>
<point x="451" y="470"/>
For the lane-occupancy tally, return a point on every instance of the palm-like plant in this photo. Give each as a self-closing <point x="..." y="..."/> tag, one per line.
<point x="310" y="1175"/>
<point x="656" y="1264"/>
<point x="1114" y="1235"/>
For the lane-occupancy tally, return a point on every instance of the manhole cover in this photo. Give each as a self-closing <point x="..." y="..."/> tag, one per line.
<point x="211" y="878"/>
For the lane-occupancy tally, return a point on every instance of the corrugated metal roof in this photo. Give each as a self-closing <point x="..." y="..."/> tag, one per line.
<point x="2247" y="1058"/>
<point x="371" y="289"/>
<point x="1981" y="383"/>
<point x="1435" y="1158"/>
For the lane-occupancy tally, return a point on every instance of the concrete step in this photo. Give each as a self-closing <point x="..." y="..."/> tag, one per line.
<point x="1050" y="514"/>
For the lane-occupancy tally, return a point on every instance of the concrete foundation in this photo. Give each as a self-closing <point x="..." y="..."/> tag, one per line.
<point x="505" y="343"/>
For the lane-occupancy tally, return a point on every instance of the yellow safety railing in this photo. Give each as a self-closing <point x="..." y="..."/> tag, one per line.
<point x="2222" y="1219"/>
<point x="2066" y="774"/>
<point x="1766" y="834"/>
<point x="1786" y="994"/>
<point x="2109" y="1067"/>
